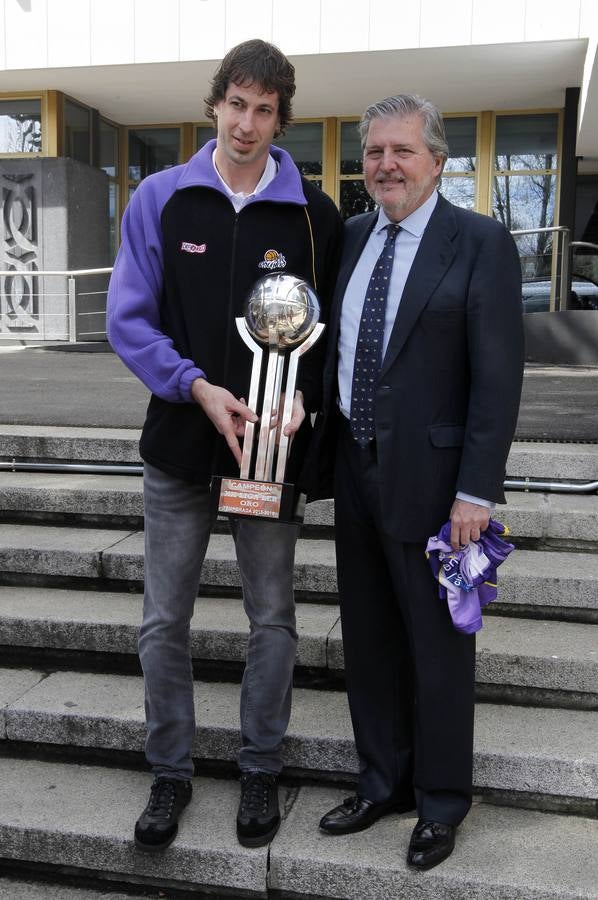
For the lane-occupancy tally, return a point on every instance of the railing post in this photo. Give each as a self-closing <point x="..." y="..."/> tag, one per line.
<point x="72" y="310"/>
<point x="554" y="268"/>
<point x="565" y="259"/>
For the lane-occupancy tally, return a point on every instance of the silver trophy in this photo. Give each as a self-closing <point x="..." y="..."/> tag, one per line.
<point x="279" y="325"/>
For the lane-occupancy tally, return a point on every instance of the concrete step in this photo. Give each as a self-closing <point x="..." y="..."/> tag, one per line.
<point x="28" y="494"/>
<point x="500" y="853"/>
<point x="553" y="663"/>
<point x="16" y="889"/>
<point x="526" y="661"/>
<point x="572" y="519"/>
<point x="72" y="494"/>
<point x="548" y="753"/>
<point x="526" y="459"/>
<point x="69" y="443"/>
<point x="547" y="583"/>
<point x="81" y="818"/>
<point x="106" y="622"/>
<point x="577" y="462"/>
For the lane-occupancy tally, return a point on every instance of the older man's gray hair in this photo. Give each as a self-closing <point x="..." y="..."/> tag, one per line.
<point x="404" y="105"/>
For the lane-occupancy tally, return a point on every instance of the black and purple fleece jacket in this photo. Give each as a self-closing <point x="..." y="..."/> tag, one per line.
<point x="185" y="266"/>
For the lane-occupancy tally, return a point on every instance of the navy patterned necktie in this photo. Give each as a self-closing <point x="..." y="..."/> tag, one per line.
<point x="368" y="353"/>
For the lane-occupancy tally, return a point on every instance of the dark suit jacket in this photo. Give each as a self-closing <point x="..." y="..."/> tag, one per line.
<point x="449" y="387"/>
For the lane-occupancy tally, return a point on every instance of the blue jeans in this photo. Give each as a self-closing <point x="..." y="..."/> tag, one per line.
<point x="178" y="522"/>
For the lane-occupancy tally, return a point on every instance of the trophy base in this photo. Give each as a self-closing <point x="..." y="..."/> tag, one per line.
<point x="248" y="499"/>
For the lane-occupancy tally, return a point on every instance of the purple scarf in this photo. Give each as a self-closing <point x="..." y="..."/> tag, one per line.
<point x="467" y="577"/>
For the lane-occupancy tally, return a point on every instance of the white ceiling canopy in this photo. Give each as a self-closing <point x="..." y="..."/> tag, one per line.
<point x="458" y="79"/>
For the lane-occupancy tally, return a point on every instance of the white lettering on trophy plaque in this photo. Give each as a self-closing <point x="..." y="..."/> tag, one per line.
<point x="250" y="498"/>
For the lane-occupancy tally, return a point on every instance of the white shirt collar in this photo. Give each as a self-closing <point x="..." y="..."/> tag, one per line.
<point x="415" y="223"/>
<point x="268" y="175"/>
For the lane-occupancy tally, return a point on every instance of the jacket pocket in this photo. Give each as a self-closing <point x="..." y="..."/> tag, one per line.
<point x="447" y="435"/>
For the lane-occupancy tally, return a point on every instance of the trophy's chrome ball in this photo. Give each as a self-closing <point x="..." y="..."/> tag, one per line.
<point x="282" y="304"/>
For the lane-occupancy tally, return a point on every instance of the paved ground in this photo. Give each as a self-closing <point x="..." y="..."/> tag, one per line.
<point x="89" y="385"/>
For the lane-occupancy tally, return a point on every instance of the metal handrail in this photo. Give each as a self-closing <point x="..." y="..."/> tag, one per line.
<point x="510" y="484"/>
<point x="70" y="275"/>
<point x="540" y="230"/>
<point x="75" y="468"/>
<point x="548" y="487"/>
<point x="66" y="272"/>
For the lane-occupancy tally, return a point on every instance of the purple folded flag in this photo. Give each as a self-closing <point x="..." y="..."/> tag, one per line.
<point x="467" y="577"/>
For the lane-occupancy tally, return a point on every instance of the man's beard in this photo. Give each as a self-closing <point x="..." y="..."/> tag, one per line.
<point x="410" y="199"/>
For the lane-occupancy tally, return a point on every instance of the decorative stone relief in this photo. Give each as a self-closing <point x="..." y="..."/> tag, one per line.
<point x="19" y="293"/>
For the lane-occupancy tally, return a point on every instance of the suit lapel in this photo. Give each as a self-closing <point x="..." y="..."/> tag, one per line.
<point x="356" y="236"/>
<point x="434" y="256"/>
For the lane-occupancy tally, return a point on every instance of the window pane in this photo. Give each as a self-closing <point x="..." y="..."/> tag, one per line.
<point x="108" y="148"/>
<point x="461" y="137"/>
<point x="76" y="132"/>
<point x="526" y="142"/>
<point x="524" y="201"/>
<point x="203" y="134"/>
<point x="112" y="217"/>
<point x="354" y="199"/>
<point x="351" y="155"/>
<point x="459" y="190"/>
<point x="20" y="126"/>
<point x="151" y="150"/>
<point x="304" y="143"/>
<point x="535" y="252"/>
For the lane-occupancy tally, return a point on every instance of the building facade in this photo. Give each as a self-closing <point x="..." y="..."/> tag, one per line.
<point x="117" y="87"/>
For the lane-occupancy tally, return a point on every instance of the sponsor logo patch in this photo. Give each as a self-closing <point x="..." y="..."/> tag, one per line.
<point x="273" y="260"/>
<point x="193" y="248"/>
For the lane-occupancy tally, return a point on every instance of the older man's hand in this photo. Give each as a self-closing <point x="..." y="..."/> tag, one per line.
<point x="468" y="520"/>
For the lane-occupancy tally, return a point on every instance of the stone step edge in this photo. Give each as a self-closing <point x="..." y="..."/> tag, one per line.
<point x="56" y="442"/>
<point x="34" y="712"/>
<point x="539" y="517"/>
<point x="219" y="634"/>
<point x="23" y="880"/>
<point x="558" y="861"/>
<point x="564" y="579"/>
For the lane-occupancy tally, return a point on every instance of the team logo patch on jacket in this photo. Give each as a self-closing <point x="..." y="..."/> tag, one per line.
<point x="273" y="260"/>
<point x="193" y="248"/>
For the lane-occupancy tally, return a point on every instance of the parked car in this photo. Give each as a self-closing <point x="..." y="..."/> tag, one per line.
<point x="536" y="295"/>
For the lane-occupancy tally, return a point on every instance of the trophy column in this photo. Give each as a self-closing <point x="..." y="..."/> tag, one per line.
<point x="281" y="313"/>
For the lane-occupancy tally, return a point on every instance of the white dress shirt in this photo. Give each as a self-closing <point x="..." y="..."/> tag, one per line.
<point x="406" y="246"/>
<point x="239" y="199"/>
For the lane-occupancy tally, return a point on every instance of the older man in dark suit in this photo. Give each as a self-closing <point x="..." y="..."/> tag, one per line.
<point x="422" y="388"/>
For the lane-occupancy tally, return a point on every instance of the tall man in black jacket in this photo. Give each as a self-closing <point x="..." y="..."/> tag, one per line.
<point x="421" y="392"/>
<point x="195" y="239"/>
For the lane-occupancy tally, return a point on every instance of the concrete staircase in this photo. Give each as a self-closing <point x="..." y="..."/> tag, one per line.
<point x="72" y="774"/>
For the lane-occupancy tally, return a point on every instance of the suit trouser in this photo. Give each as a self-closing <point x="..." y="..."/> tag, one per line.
<point x="410" y="675"/>
<point x="178" y="521"/>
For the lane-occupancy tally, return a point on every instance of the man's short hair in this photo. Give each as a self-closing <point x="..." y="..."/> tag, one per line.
<point x="255" y="63"/>
<point x="404" y="105"/>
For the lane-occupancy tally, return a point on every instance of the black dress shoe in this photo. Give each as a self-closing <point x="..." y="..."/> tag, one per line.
<point x="430" y="843"/>
<point x="356" y="813"/>
<point x="157" y="826"/>
<point x="258" y="818"/>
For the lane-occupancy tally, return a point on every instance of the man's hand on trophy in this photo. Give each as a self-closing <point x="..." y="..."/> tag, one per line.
<point x="294" y="423"/>
<point x="297" y="415"/>
<point x="227" y="414"/>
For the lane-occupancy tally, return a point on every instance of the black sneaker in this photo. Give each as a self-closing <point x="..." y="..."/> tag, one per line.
<point x="157" y="826"/>
<point x="258" y="818"/>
